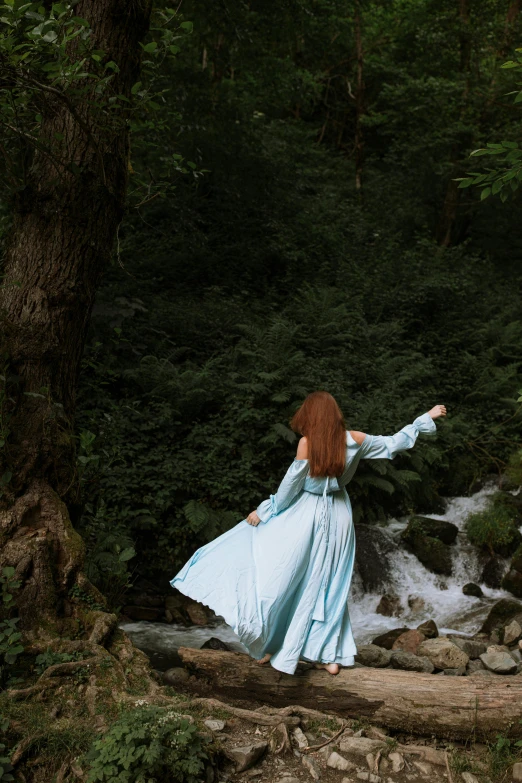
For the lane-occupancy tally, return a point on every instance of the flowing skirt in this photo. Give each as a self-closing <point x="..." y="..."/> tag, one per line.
<point x="283" y="585"/>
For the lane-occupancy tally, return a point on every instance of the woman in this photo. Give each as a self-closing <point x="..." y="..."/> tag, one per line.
<point x="281" y="577"/>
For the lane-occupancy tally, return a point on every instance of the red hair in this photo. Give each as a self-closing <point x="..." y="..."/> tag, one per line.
<point x="321" y="421"/>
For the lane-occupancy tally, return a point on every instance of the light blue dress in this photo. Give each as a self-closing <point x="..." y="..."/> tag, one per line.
<point x="283" y="585"/>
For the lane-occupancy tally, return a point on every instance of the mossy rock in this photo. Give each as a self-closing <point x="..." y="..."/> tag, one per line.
<point x="431" y="552"/>
<point x="435" y="528"/>
<point x="504" y="610"/>
<point x="516" y="563"/>
<point x="512" y="582"/>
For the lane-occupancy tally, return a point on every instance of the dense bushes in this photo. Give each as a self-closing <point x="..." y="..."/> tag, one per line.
<point x="496" y="528"/>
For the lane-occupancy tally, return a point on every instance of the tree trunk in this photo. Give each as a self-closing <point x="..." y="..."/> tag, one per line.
<point x="451" y="199"/>
<point x="454" y="707"/>
<point x="359" y="100"/>
<point x="64" y="227"/>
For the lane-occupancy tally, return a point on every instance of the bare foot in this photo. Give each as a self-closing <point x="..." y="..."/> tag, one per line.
<point x="331" y="668"/>
<point x="264" y="659"/>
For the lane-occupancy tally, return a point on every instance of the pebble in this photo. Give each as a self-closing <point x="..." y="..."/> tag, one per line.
<point x="369" y="776"/>
<point x="397" y="761"/>
<point x="335" y="761"/>
<point x="423" y="767"/>
<point x="361" y="746"/>
<point x="246" y="756"/>
<point x="215" y="725"/>
<point x="517" y="772"/>
<point x="312" y="767"/>
<point x="300" y="738"/>
<point x="467" y="777"/>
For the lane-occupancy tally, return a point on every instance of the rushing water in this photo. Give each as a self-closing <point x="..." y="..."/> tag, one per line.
<point x="423" y="595"/>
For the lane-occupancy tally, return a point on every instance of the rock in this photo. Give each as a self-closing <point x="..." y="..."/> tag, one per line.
<point x="149" y="613"/>
<point x="512" y="582"/>
<point x="175" y="601"/>
<point x="499" y="662"/>
<point x="197" y="614"/>
<point x="246" y="756"/>
<point x="387" y="639"/>
<point x="500" y="613"/>
<point x="429" y="629"/>
<point x="493" y="572"/>
<point x="444" y="531"/>
<point x="215" y="725"/>
<point x="372" y="655"/>
<point x="389" y="605"/>
<point x="431" y="552"/>
<point x="369" y="776"/>
<point x="512" y="632"/>
<point x="416" y="604"/>
<point x="335" y="761"/>
<point x="517" y="772"/>
<point x="460" y="672"/>
<point x="516" y="563"/>
<point x="475" y="666"/>
<point x="472" y="648"/>
<point x="482" y="673"/>
<point x="169" y="617"/>
<point x="409" y="641"/>
<point x="361" y="746"/>
<point x="443" y="653"/>
<point x="467" y="777"/>
<point x="175" y="676"/>
<point x="289" y="779"/>
<point x="300" y="738"/>
<point x="410" y="662"/>
<point x="311" y="766"/>
<point x="215" y="644"/>
<point x="372" y="557"/>
<point x="423" y="767"/>
<point x="397" y="761"/>
<point x="472" y="589"/>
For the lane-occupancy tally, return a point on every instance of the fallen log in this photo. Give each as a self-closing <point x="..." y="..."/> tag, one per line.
<point x="452" y="707"/>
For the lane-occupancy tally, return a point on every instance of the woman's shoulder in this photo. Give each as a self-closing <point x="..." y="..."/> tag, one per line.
<point x="358" y="437"/>
<point x="302" y="449"/>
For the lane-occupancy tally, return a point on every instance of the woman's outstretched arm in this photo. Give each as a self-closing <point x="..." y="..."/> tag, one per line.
<point x="387" y="446"/>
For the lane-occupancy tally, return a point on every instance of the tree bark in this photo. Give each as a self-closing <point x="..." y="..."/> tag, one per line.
<point x="359" y="100"/>
<point x="451" y="199"/>
<point x="454" y="707"/>
<point x="64" y="227"/>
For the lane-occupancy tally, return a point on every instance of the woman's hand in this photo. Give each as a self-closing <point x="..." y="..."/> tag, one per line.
<point x="438" y="410"/>
<point x="253" y="519"/>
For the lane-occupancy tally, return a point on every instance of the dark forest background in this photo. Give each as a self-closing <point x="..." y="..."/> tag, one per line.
<point x="306" y="233"/>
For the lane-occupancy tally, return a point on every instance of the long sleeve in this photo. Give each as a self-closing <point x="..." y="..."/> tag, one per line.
<point x="387" y="446"/>
<point x="289" y="488"/>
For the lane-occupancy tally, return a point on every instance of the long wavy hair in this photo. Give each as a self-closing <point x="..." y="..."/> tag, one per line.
<point x="321" y="421"/>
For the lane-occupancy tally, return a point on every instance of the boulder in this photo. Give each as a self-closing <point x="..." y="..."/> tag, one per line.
<point x="460" y="672"/>
<point x="410" y="662"/>
<point x="416" y="604"/>
<point x="471" y="647"/>
<point x="215" y="725"/>
<point x="214" y="644"/>
<point x="197" y="613"/>
<point x="443" y="653"/>
<point x="387" y="639"/>
<point x="372" y="557"/>
<point x="512" y="582"/>
<point x="246" y="756"/>
<point x="361" y="746"/>
<point x="500" y="613"/>
<point x="431" y="552"/>
<point x="175" y="601"/>
<point x="499" y="662"/>
<point x="429" y="629"/>
<point x="472" y="589"/>
<point x="493" y="571"/>
<point x="444" y="531"/>
<point x="300" y="738"/>
<point x="409" y="641"/>
<point x="175" y="676"/>
<point x="389" y="605"/>
<point x="149" y="613"/>
<point x="516" y="563"/>
<point x="372" y="655"/>
<point x="512" y="632"/>
<point x="475" y="666"/>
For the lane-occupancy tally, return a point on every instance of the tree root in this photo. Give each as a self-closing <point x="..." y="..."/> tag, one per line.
<point x="302" y="712"/>
<point x="24" y="693"/>
<point x="313" y="748"/>
<point x="250" y="715"/>
<point x="104" y="625"/>
<point x="285" y="746"/>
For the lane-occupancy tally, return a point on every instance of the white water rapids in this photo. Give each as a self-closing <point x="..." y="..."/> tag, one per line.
<point x="423" y="595"/>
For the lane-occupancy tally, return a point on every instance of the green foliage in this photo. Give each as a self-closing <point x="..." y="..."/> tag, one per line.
<point x="514" y="468"/>
<point x="77" y="593"/>
<point x="49" y="658"/>
<point x="10" y="647"/>
<point x="148" y="745"/>
<point x="502" y="754"/>
<point x="495" y="528"/>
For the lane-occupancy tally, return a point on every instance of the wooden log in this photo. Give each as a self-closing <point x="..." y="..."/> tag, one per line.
<point x="453" y="707"/>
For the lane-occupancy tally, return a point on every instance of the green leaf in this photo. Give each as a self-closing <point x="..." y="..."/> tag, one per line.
<point x="510" y="64"/>
<point x="188" y="26"/>
<point x="175" y="49"/>
<point x="485" y="193"/>
<point x="135" y="88"/>
<point x="150" y="47"/>
<point x="465" y="183"/>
